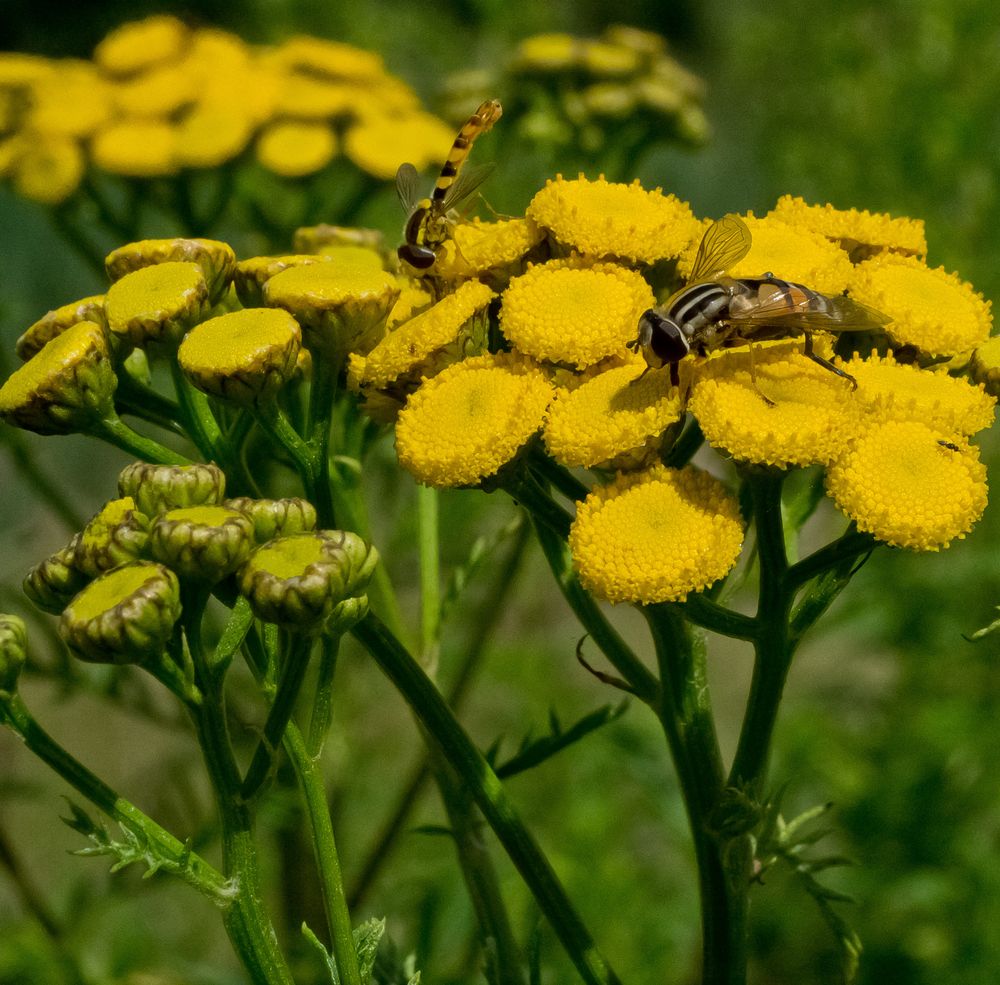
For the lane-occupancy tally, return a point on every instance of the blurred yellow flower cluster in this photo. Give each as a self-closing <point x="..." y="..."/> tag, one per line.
<point x="159" y="98"/>
<point x="594" y="95"/>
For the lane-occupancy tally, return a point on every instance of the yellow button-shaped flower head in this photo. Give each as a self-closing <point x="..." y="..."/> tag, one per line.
<point x="159" y="488"/>
<point x="798" y="413"/>
<point x="910" y="486"/>
<point x="202" y="543"/>
<point x="889" y="391"/>
<point x="13" y="651"/>
<point x="71" y="102"/>
<point x="252" y="274"/>
<point x="136" y="148"/>
<point x="380" y="142"/>
<point x="464" y="424"/>
<point x="296" y="149"/>
<point x="125" y="616"/>
<point x="297" y="581"/>
<point x="57" y="321"/>
<point x="216" y="259"/>
<point x="323" y="58"/>
<point x="480" y="247"/>
<point x="139" y="44"/>
<point x="209" y="136"/>
<point x="984" y="366"/>
<point x="114" y="536"/>
<point x="313" y="239"/>
<point x="48" y="169"/>
<point x="53" y="582"/>
<point x="656" y="536"/>
<point x="65" y="387"/>
<point x="548" y="53"/>
<point x="340" y="311"/>
<point x="860" y="232"/>
<point x="936" y="311"/>
<point x="446" y="325"/>
<point x="275" y="517"/>
<point x="603" y="219"/>
<point x="245" y="356"/>
<point x="158" y="303"/>
<point x="568" y="313"/>
<point x="614" y="419"/>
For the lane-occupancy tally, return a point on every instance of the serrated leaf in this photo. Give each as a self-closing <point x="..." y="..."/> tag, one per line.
<point x="367" y="937"/>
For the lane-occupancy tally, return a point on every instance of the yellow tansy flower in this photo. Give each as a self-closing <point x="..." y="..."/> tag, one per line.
<point x="795" y="254"/>
<point x="601" y="218"/>
<point x="476" y="247"/>
<point x="604" y="58"/>
<point x="409" y="346"/>
<point x="464" y="424"/>
<point x="936" y="311"/>
<point x="252" y="274"/>
<point x="548" y="53"/>
<point x="569" y="313"/>
<point x="157" y="303"/>
<point x="56" y="322"/>
<point x="860" y="232"/>
<point x="136" y="148"/>
<point x="614" y="414"/>
<point x="379" y="143"/>
<point x="333" y="59"/>
<point x="890" y="391"/>
<point x="909" y="485"/>
<point x="209" y="136"/>
<point x="656" y="536"/>
<point x="139" y="44"/>
<point x="295" y="150"/>
<point x="159" y="92"/>
<point x="48" y="169"/>
<point x="216" y="259"/>
<point x="984" y="366"/>
<point x="308" y="98"/>
<point x="808" y="421"/>
<point x="74" y="101"/>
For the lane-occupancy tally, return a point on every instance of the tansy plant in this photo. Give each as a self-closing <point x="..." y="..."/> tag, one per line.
<point x="505" y="367"/>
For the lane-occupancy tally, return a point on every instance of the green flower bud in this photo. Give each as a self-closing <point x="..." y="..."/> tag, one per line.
<point x="116" y="535"/>
<point x="56" y="322"/>
<point x="53" y="582"/>
<point x="157" y="303"/>
<point x="347" y="614"/>
<point x="251" y="275"/>
<point x="217" y="260"/>
<point x="203" y="543"/>
<point x="159" y="488"/>
<point x="984" y="366"/>
<point x="125" y="616"/>
<point x="298" y="581"/>
<point x="340" y="310"/>
<point x="275" y="517"/>
<point x="136" y="365"/>
<point x="13" y="644"/>
<point x="245" y="356"/>
<point x="66" y="387"/>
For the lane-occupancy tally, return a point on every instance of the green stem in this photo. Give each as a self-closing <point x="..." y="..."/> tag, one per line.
<point x="849" y="547"/>
<point x="475" y="773"/>
<point x="430" y="575"/>
<point x="702" y="611"/>
<point x="177" y="857"/>
<point x="116" y="432"/>
<point x="197" y="416"/>
<point x="321" y="401"/>
<point x="139" y="400"/>
<point x="683" y="449"/>
<point x="277" y="427"/>
<point x="322" y="709"/>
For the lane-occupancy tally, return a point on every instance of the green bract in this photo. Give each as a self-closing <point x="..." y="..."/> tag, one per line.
<point x="275" y="517"/>
<point x="203" y="543"/>
<point x="116" y="535"/>
<point x="158" y="488"/>
<point x="53" y="582"/>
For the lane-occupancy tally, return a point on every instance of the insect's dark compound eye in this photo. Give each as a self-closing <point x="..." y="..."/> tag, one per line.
<point x="420" y="257"/>
<point x="665" y="338"/>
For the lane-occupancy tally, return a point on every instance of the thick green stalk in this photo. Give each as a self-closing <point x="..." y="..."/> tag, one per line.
<point x="116" y="432"/>
<point x="197" y="417"/>
<point x="477" y="776"/>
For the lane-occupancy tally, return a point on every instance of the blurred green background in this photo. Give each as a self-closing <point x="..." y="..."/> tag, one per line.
<point x="891" y="714"/>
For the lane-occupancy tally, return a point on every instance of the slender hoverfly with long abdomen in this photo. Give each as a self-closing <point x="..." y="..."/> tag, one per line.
<point x="429" y="220"/>
<point x="714" y="310"/>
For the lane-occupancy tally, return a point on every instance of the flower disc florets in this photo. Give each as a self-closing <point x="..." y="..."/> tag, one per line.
<point x="116" y="535"/>
<point x="216" y="259"/>
<point x="158" y="303"/>
<point x="656" y="536"/>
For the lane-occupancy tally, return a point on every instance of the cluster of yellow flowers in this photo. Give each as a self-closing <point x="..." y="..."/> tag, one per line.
<point x="517" y="342"/>
<point x="586" y="93"/>
<point x="159" y="98"/>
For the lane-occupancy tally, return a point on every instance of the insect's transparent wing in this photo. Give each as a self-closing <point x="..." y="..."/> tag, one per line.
<point x="724" y="244"/>
<point x="466" y="184"/>
<point x="407" y="186"/>
<point x="842" y="314"/>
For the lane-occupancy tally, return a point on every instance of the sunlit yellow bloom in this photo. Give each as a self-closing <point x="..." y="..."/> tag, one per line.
<point x="345" y="256"/>
<point x="158" y="92"/>
<point x="860" y="232"/>
<point x="614" y="414"/>
<point x="909" y="485"/>
<point x="411" y="301"/>
<point x="464" y="424"/>
<point x="48" y="169"/>
<point x="574" y="314"/>
<point x="21" y="71"/>
<point x="808" y="422"/>
<point x="476" y="247"/>
<point x="379" y="143"/>
<point x="984" y="367"/>
<point x="252" y="274"/>
<point x="136" y="148"/>
<point x="548" y="52"/>
<point x="56" y="322"/>
<point x="230" y="76"/>
<point x="73" y="101"/>
<point x="936" y="311"/>
<point x="656" y="536"/>
<point x="209" y="136"/>
<point x="791" y="253"/>
<point x="410" y="345"/>
<point x="892" y="392"/>
<point x="333" y="59"/>
<point x="314" y="239"/>
<point x="601" y="218"/>
<point x="308" y="98"/>
<point x="244" y="356"/>
<point x="139" y="44"/>
<point x="216" y="259"/>
<point x="157" y="303"/>
<point x="295" y="150"/>
<point x="603" y="58"/>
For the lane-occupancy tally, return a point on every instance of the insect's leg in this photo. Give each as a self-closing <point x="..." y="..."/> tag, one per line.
<point x="825" y="363"/>
<point x="753" y="379"/>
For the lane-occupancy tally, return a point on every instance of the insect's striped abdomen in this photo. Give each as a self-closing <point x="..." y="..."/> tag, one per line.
<point x="480" y="121"/>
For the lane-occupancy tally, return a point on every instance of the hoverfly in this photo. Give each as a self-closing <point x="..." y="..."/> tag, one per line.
<point x="714" y="311"/>
<point x="429" y="222"/>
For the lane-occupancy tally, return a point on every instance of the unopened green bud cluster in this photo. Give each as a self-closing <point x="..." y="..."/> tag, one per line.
<point x="13" y="651"/>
